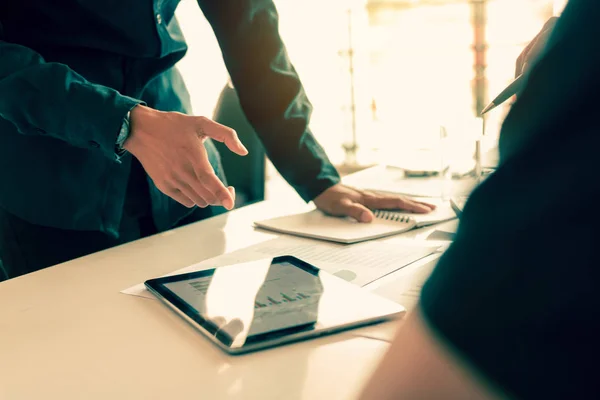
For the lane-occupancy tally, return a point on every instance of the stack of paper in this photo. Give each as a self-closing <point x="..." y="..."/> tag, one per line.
<point x="359" y="264"/>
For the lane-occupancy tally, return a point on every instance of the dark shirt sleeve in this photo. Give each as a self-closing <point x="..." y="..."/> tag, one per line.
<point x="47" y="98"/>
<point x="270" y="91"/>
<point x="516" y="295"/>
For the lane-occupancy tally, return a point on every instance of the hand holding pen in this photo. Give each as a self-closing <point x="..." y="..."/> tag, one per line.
<point x="524" y="61"/>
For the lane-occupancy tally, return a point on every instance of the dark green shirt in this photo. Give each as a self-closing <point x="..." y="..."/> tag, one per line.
<point x="71" y="70"/>
<point x="516" y="295"/>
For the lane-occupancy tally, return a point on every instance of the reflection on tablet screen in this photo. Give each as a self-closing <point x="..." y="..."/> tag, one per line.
<point x="241" y="302"/>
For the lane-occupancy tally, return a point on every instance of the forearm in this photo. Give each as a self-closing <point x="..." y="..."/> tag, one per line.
<point x="418" y="366"/>
<point x="50" y="99"/>
<point x="270" y="91"/>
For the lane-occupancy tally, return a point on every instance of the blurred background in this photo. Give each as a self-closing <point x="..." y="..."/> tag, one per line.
<point x="382" y="75"/>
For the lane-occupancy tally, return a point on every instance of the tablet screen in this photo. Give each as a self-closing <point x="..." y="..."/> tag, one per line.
<point x="265" y="302"/>
<point x="245" y="303"/>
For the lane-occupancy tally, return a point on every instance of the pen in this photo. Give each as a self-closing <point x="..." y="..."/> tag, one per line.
<point x="512" y="89"/>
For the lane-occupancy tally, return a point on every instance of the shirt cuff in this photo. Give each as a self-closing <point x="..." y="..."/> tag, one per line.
<point x="326" y="180"/>
<point x="123" y="134"/>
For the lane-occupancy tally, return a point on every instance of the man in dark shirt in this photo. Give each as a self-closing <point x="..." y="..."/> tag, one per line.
<point x="512" y="308"/>
<point x="97" y="146"/>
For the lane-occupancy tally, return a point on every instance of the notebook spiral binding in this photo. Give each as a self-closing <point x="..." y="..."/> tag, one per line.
<point x="391" y="216"/>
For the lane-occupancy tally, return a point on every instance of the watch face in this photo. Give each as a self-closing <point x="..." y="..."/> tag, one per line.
<point x="124" y="132"/>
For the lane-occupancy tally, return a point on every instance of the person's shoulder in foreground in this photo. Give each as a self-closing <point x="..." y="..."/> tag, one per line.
<point x="511" y="309"/>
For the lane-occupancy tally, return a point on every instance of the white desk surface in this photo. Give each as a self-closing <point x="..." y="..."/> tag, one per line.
<point x="67" y="333"/>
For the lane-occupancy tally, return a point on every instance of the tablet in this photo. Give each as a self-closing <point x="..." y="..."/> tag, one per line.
<point x="265" y="303"/>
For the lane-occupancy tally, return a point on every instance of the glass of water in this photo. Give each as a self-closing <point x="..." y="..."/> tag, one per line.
<point x="462" y="165"/>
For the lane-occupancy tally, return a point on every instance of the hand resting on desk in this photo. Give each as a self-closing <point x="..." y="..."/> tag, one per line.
<point x="344" y="201"/>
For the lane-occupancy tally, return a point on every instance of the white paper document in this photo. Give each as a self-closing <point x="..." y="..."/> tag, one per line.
<point x="405" y="286"/>
<point x="390" y="179"/>
<point x="360" y="264"/>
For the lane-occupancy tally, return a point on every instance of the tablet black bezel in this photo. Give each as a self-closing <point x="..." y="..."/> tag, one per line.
<point x="157" y="285"/>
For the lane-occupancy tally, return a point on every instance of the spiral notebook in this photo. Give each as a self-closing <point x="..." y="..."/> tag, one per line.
<point x="316" y="225"/>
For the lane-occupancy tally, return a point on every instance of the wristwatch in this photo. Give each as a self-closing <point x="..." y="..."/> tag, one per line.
<point x="123" y="135"/>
